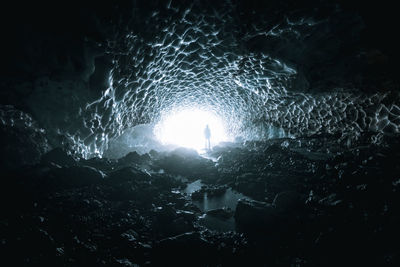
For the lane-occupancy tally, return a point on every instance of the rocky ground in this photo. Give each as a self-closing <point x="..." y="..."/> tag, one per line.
<point x="308" y="202"/>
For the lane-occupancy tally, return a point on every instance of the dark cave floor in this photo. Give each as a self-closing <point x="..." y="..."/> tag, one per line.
<point x="303" y="202"/>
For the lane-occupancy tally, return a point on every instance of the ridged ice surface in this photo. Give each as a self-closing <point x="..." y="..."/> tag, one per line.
<point x="185" y="56"/>
<point x="23" y="141"/>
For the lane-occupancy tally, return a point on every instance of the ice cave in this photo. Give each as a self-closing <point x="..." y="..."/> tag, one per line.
<point x="199" y="133"/>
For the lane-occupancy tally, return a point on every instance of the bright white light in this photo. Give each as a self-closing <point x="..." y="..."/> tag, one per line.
<point x="185" y="128"/>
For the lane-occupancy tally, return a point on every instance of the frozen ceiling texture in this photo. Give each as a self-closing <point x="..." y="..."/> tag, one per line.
<point x="86" y="73"/>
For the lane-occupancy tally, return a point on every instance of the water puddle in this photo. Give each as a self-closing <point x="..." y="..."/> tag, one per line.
<point x="193" y="187"/>
<point x="227" y="201"/>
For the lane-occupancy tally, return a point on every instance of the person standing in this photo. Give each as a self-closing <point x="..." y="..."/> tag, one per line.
<point x="207" y="135"/>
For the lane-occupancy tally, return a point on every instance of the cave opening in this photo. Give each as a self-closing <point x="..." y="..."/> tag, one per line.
<point x="185" y="128"/>
<point x="105" y="159"/>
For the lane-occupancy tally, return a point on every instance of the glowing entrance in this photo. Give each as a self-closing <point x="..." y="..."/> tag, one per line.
<point x="186" y="128"/>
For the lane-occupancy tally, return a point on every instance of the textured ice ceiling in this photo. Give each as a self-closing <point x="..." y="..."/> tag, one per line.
<point x="293" y="66"/>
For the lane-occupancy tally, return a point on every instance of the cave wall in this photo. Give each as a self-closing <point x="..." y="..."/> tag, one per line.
<point x="85" y="72"/>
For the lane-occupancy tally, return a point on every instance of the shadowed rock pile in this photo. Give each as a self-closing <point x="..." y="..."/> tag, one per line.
<point x="305" y="204"/>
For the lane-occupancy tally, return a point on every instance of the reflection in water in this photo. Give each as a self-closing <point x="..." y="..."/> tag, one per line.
<point x="193" y="187"/>
<point x="227" y="200"/>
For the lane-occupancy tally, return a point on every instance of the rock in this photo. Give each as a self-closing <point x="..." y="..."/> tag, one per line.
<point x="153" y="154"/>
<point x="188" y="163"/>
<point x="288" y="201"/>
<point x="188" y="215"/>
<point x="59" y="157"/>
<point x="330" y="200"/>
<point x="164" y="215"/>
<point x="147" y="218"/>
<point x="166" y="183"/>
<point x="130" y="235"/>
<point x="251" y="215"/>
<point x="178" y="249"/>
<point x="75" y="176"/>
<point x="168" y="222"/>
<point x="215" y="191"/>
<point x="185" y="153"/>
<point x="22" y="141"/>
<point x="145" y="158"/>
<point x="128" y="174"/>
<point x="223" y="213"/>
<point x="125" y="263"/>
<point x="198" y="195"/>
<point x="251" y="184"/>
<point x="181" y="225"/>
<point x="185" y="239"/>
<point x="103" y="164"/>
<point x="130" y="158"/>
<point x="123" y="192"/>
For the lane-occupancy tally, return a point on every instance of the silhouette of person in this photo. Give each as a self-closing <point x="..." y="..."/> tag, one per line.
<point x="207" y="135"/>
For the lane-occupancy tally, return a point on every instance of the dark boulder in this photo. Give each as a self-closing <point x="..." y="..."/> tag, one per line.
<point x="131" y="158"/>
<point x="167" y="222"/>
<point x="288" y="201"/>
<point x="22" y="141"/>
<point x="223" y="213"/>
<point x="182" y="250"/>
<point x="255" y="216"/>
<point x="75" y="176"/>
<point x="59" y="157"/>
<point x="188" y="163"/>
<point x="128" y="174"/>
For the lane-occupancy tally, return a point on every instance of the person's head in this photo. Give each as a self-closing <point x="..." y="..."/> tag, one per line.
<point x="206" y="125"/>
